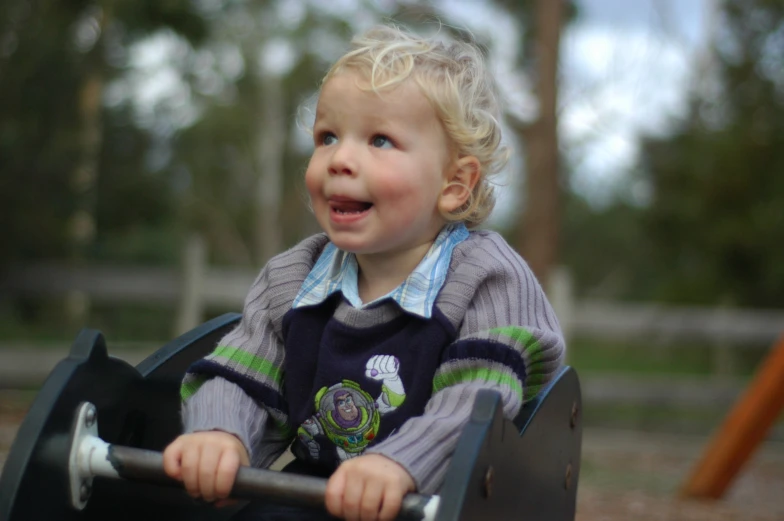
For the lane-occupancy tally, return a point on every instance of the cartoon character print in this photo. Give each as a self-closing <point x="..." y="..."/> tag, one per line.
<point x="348" y="416"/>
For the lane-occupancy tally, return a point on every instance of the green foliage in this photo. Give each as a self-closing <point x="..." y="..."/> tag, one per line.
<point x="713" y="230"/>
<point x="33" y="151"/>
<point x="219" y="154"/>
<point x="605" y="252"/>
<point x="51" y="53"/>
<point x="716" y="219"/>
<point x="140" y="17"/>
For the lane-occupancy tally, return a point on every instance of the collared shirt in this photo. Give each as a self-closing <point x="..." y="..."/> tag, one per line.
<point x="337" y="270"/>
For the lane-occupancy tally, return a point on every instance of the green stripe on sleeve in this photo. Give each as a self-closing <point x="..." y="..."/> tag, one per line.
<point x="519" y="334"/>
<point x="189" y="388"/>
<point x="472" y="374"/>
<point x="254" y="363"/>
<point x="532" y="348"/>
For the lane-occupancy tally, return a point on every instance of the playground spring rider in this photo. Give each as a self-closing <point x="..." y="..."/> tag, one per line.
<point x="89" y="448"/>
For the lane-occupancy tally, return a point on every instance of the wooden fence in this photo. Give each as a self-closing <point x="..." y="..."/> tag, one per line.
<point x="195" y="289"/>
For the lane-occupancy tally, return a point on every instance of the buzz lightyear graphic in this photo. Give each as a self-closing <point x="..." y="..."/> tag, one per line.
<point x="348" y="416"/>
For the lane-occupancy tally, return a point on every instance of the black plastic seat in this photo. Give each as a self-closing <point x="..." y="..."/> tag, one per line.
<point x="497" y="467"/>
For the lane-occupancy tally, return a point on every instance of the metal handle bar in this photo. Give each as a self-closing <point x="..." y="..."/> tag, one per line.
<point x="91" y="456"/>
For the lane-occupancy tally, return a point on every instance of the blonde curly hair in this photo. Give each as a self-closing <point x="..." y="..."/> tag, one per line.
<point x="455" y="80"/>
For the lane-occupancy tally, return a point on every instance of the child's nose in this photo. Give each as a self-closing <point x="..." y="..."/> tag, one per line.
<point x="343" y="160"/>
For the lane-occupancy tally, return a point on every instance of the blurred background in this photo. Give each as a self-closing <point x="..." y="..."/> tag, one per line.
<point x="152" y="155"/>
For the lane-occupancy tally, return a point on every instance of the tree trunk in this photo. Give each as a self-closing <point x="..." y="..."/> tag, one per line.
<point x="85" y="174"/>
<point x="539" y="233"/>
<point x="82" y="225"/>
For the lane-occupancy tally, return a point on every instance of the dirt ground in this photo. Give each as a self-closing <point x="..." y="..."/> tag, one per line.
<point x="635" y="476"/>
<point x="625" y="475"/>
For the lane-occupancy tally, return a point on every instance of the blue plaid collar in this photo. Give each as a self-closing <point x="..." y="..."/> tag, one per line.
<point x="337" y="270"/>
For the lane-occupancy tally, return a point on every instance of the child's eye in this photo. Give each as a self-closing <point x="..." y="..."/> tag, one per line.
<point x="381" y="141"/>
<point x="328" y="138"/>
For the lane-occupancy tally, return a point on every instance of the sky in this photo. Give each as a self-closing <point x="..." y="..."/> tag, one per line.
<point x="625" y="71"/>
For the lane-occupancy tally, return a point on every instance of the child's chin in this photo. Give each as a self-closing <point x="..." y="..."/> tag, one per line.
<point x="351" y="245"/>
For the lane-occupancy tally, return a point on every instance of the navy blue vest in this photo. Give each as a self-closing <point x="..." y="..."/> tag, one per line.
<point x="333" y="393"/>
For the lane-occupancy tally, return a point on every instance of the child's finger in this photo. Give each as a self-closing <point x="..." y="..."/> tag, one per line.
<point x="333" y="498"/>
<point x="171" y="459"/>
<point x="390" y="505"/>
<point x="190" y="469"/>
<point x="208" y="466"/>
<point x="371" y="500"/>
<point x="226" y="473"/>
<point x="353" y="491"/>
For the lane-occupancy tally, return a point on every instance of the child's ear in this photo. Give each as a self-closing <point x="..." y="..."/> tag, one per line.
<point x="460" y="181"/>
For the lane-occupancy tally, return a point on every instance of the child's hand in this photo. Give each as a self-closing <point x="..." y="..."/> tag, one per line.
<point x="206" y="462"/>
<point x="368" y="488"/>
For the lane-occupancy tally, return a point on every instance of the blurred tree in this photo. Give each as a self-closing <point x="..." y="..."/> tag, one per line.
<point x="235" y="174"/>
<point x="538" y="24"/>
<point x="716" y="221"/>
<point x="243" y="164"/>
<point x="605" y="252"/>
<point x="541" y="225"/>
<point x="37" y="54"/>
<point x="55" y="58"/>
<point x="538" y="234"/>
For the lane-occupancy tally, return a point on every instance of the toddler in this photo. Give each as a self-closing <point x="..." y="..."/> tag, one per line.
<point x="363" y="347"/>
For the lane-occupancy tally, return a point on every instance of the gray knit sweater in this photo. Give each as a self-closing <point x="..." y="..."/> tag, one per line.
<point x="490" y="295"/>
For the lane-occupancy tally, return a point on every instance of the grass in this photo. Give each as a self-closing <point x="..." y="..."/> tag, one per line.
<point x="638" y="358"/>
<point x="46" y="323"/>
<point x="598" y="473"/>
<point x="652" y="418"/>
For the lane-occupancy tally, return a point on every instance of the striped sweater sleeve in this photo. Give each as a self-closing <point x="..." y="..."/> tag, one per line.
<point x="508" y="340"/>
<point x="238" y="388"/>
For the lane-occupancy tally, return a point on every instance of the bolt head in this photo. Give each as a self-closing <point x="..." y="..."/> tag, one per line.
<point x="89" y="417"/>
<point x="84" y="491"/>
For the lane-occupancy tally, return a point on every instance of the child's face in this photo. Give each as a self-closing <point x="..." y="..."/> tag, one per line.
<point x="378" y="167"/>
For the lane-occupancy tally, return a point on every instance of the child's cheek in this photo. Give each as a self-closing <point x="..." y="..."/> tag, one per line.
<point x="393" y="187"/>
<point x="313" y="182"/>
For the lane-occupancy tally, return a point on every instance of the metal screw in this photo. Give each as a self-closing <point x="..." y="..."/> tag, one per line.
<point x="575" y="411"/>
<point x="89" y="417"/>
<point x="568" y="480"/>
<point x="84" y="491"/>
<point x="488" y="485"/>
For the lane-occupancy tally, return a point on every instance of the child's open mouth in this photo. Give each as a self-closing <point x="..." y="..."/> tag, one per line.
<point x="346" y="207"/>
